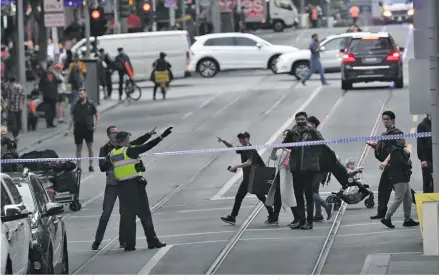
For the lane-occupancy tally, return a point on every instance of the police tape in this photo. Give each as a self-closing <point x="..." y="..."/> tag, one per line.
<point x="243" y="148"/>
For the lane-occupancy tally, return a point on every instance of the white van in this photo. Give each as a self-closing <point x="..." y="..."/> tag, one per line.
<point x="143" y="48"/>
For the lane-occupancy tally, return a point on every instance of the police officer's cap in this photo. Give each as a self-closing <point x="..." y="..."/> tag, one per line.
<point x="122" y="136"/>
<point x="119" y="49"/>
<point x="243" y="134"/>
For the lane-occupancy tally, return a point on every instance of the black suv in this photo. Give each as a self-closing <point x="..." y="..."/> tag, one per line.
<point x="372" y="58"/>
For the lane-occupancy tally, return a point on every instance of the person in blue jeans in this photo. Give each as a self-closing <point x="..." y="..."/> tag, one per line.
<point x="315" y="63"/>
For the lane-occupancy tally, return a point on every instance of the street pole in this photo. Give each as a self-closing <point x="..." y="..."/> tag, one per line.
<point x="183" y="14"/>
<point x="215" y="15"/>
<point x="87" y="30"/>
<point x="197" y="17"/>
<point x="434" y="85"/>
<point x="154" y="23"/>
<point x="55" y="43"/>
<point x="171" y="17"/>
<point x="21" y="58"/>
<point x="302" y="13"/>
<point x="116" y="17"/>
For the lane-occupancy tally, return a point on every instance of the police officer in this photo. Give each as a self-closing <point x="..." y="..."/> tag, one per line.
<point x="134" y="202"/>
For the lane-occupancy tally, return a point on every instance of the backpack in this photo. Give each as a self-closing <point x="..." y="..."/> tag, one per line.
<point x="119" y="63"/>
<point x="75" y="78"/>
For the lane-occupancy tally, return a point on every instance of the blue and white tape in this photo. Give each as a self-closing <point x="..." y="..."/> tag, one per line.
<point x="267" y="146"/>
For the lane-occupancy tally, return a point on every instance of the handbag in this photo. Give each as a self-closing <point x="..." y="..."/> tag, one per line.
<point x="261" y="179"/>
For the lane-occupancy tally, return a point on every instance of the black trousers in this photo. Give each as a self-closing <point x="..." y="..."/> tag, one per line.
<point x="121" y="75"/>
<point x="384" y="191"/>
<point x="50" y="111"/>
<point x="109" y="84"/>
<point x="134" y="202"/>
<point x="303" y="184"/>
<point x="242" y="192"/>
<point x="427" y="179"/>
<point x="14" y="122"/>
<point x="110" y="196"/>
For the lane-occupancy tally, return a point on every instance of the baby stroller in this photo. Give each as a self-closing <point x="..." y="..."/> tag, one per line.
<point x="60" y="179"/>
<point x="355" y="192"/>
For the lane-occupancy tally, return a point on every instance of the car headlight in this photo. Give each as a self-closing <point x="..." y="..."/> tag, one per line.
<point x="410" y="12"/>
<point x="387" y="14"/>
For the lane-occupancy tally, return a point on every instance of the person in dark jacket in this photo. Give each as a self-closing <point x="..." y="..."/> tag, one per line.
<point x="110" y="194"/>
<point x="382" y="152"/>
<point x="48" y="85"/>
<point x="108" y="71"/>
<point x="161" y="65"/>
<point x="399" y="169"/>
<point x="320" y="178"/>
<point x="304" y="164"/>
<point x="8" y="152"/>
<point x="124" y="67"/>
<point x="425" y="155"/>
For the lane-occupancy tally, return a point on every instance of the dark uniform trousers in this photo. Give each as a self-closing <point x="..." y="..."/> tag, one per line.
<point x="303" y="184"/>
<point x="110" y="196"/>
<point x="242" y="192"/>
<point x="134" y="202"/>
<point x="427" y="178"/>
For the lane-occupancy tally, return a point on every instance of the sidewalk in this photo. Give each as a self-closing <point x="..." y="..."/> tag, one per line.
<point x="27" y="139"/>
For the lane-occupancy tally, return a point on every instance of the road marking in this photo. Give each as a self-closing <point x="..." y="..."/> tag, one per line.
<point x="415" y="118"/>
<point x="154" y="260"/>
<point x="273" y="138"/>
<point x="204" y="210"/>
<point x="187" y="115"/>
<point x="376" y="264"/>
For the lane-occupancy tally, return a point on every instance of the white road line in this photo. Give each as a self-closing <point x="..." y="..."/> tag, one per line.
<point x="154" y="260"/>
<point x="187" y="115"/>
<point x="273" y="138"/>
<point x="204" y="210"/>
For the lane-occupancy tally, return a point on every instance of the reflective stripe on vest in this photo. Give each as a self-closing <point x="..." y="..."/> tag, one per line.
<point x="124" y="167"/>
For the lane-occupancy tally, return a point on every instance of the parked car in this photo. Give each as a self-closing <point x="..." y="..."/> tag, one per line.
<point x="15" y="229"/>
<point x="49" y="253"/>
<point x="213" y="53"/>
<point x="297" y="63"/>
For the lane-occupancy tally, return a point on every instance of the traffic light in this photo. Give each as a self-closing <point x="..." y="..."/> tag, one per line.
<point x="124" y="8"/>
<point x="147" y="7"/>
<point x="98" y="24"/>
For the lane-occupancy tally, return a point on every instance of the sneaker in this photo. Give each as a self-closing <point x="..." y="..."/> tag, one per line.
<point x="387" y="223"/>
<point x="330" y="211"/>
<point x="297" y="225"/>
<point x="229" y="219"/>
<point x="306" y="226"/>
<point x="272" y="220"/>
<point x="410" y="223"/>
<point x="292" y="223"/>
<point x="95" y="245"/>
<point x="156" y="245"/>
<point x="318" y="218"/>
<point x="130" y="248"/>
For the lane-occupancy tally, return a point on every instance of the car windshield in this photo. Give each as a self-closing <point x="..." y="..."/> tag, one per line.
<point x="378" y="45"/>
<point x="26" y="193"/>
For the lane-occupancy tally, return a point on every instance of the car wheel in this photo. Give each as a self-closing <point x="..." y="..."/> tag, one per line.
<point x="278" y="26"/>
<point x="399" y="83"/>
<point x="346" y="85"/>
<point x="300" y="69"/>
<point x="272" y="63"/>
<point x="207" y="68"/>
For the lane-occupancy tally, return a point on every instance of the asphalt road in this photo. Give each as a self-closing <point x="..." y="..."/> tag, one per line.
<point x="189" y="193"/>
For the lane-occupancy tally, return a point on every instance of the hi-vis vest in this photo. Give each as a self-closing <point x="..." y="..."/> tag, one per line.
<point x="124" y="167"/>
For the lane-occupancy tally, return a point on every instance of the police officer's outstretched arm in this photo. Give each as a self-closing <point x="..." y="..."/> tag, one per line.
<point x="135" y="151"/>
<point x="145" y="137"/>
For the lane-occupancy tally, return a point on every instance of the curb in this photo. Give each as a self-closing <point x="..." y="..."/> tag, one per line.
<point x="61" y="130"/>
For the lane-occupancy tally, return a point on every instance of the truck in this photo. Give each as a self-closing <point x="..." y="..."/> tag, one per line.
<point x="396" y="11"/>
<point x="266" y="14"/>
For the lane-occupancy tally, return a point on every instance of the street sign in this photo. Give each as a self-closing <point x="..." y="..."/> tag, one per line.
<point x="54" y="20"/>
<point x="53" y="6"/>
<point x="170" y="3"/>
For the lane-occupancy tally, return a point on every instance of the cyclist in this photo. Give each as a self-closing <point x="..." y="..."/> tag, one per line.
<point x="124" y="67"/>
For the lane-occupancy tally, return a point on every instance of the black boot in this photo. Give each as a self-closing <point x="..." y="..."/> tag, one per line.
<point x="155" y="243"/>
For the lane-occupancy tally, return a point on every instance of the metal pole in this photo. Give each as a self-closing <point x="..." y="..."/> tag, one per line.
<point x="302" y="6"/>
<point x="171" y="17"/>
<point x="434" y="85"/>
<point x="55" y="43"/>
<point x="154" y="8"/>
<point x="183" y="14"/>
<point x="87" y="30"/>
<point x="116" y="17"/>
<point x="197" y="16"/>
<point x="21" y="58"/>
<point x="215" y="15"/>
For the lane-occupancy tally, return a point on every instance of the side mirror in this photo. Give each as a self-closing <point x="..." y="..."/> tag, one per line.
<point x="259" y="45"/>
<point x="54" y="208"/>
<point x="322" y="48"/>
<point x="401" y="49"/>
<point x="380" y="3"/>
<point x="13" y="213"/>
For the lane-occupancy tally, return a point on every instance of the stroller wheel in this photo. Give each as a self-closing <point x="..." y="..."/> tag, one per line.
<point x="75" y="206"/>
<point x="335" y="200"/>
<point x="370" y="203"/>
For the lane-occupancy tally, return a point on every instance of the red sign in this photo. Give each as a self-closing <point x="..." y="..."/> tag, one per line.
<point x="226" y="5"/>
<point x="254" y="9"/>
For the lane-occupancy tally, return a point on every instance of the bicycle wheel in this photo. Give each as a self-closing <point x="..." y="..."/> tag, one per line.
<point x="135" y="94"/>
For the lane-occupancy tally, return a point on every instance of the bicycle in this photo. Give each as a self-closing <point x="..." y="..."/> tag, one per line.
<point x="131" y="88"/>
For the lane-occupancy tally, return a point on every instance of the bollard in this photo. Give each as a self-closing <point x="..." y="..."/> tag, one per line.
<point x="430" y="224"/>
